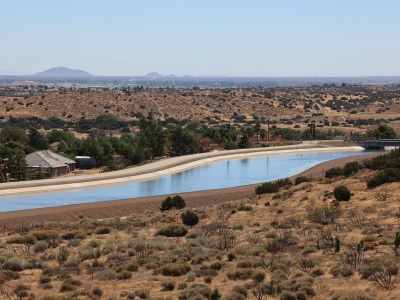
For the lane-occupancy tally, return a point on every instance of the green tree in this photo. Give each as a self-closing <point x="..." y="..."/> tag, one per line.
<point x="37" y="140"/>
<point x="183" y="142"/>
<point x="152" y="138"/>
<point x="13" y="134"/>
<point x="244" y="142"/>
<point x="17" y="164"/>
<point x="383" y="131"/>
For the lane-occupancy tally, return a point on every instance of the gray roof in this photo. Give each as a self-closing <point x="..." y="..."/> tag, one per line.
<point x="47" y="159"/>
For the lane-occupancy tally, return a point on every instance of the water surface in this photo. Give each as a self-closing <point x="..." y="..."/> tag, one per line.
<point x="220" y="174"/>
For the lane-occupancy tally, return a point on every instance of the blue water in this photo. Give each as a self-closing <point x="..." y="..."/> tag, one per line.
<point x="221" y="174"/>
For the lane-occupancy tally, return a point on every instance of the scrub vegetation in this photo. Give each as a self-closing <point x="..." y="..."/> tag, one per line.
<point x="297" y="242"/>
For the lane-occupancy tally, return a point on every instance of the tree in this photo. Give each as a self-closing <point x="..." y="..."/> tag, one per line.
<point x="13" y="134"/>
<point x="383" y="131"/>
<point x="37" y="140"/>
<point x="17" y="164"/>
<point x="244" y="142"/>
<point x="183" y="142"/>
<point x="169" y="203"/>
<point x="189" y="218"/>
<point x="152" y="138"/>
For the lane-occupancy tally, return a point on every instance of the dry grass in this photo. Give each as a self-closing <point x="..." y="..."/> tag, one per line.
<point x="276" y="239"/>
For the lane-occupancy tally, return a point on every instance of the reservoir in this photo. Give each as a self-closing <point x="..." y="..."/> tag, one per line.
<point x="215" y="175"/>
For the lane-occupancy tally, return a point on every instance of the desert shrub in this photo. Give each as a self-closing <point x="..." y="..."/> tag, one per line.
<point x="191" y="276"/>
<point x="272" y="187"/>
<point x="108" y="247"/>
<point x="17" y="239"/>
<point x="351" y="168"/>
<point x="45" y="235"/>
<point x="40" y="246"/>
<point x="342" y="271"/>
<point x="300" y="179"/>
<point x="240" y="274"/>
<point x="132" y="267"/>
<point x="195" y="290"/>
<point x="342" y="193"/>
<point x="173" y="230"/>
<point x="384" y="176"/>
<point x="13" y="264"/>
<point x="232" y="295"/>
<point x="176" y="202"/>
<point x="103" y="230"/>
<point x="97" y="292"/>
<point x="382" y="271"/>
<point x="62" y="255"/>
<point x="243" y="207"/>
<point x="124" y="275"/>
<point x="323" y="214"/>
<point x="216" y="265"/>
<point x="231" y="256"/>
<point x="168" y="285"/>
<point x="21" y="291"/>
<point x="182" y="286"/>
<point x="175" y="269"/>
<point x="189" y="218"/>
<point x="106" y="275"/>
<point x="247" y="264"/>
<point x="69" y="285"/>
<point x="350" y="295"/>
<point x="286" y="295"/>
<point x="89" y="253"/>
<point x="333" y="172"/>
<point x="44" y="279"/>
<point x="7" y="275"/>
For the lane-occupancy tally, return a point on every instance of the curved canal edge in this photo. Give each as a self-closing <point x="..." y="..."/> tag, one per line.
<point x="120" y="208"/>
<point x="155" y="169"/>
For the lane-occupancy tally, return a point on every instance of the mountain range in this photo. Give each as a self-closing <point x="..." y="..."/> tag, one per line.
<point x="63" y="72"/>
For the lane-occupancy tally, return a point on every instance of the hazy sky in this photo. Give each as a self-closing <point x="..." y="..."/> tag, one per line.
<point x="203" y="37"/>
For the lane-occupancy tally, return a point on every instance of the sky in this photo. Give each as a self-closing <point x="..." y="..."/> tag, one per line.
<point x="203" y="37"/>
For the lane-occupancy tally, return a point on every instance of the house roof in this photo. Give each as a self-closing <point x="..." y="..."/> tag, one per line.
<point x="47" y="159"/>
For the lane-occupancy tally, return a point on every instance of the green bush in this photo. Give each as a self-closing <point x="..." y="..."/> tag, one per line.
<point x="173" y="230"/>
<point x="176" y="202"/>
<point x="189" y="218"/>
<point x="342" y="193"/>
<point x="351" y="168"/>
<point x="272" y="187"/>
<point x="334" y="172"/>
<point x="384" y="176"/>
<point x="300" y="179"/>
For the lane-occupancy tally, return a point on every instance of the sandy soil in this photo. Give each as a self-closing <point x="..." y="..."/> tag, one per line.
<point x="129" y="206"/>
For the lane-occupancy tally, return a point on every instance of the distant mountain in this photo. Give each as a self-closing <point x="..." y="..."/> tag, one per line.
<point x="63" y="72"/>
<point x="153" y="75"/>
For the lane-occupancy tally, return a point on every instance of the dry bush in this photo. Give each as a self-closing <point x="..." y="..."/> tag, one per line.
<point x="382" y="271"/>
<point x="175" y="269"/>
<point x="323" y="214"/>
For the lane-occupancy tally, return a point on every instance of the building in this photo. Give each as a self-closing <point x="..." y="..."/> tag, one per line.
<point x="85" y="162"/>
<point x="51" y="163"/>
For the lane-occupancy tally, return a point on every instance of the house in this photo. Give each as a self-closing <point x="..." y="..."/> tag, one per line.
<point x="51" y="163"/>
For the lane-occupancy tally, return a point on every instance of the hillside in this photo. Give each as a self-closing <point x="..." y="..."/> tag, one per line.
<point x="274" y="246"/>
<point x="346" y="109"/>
<point x="62" y="72"/>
